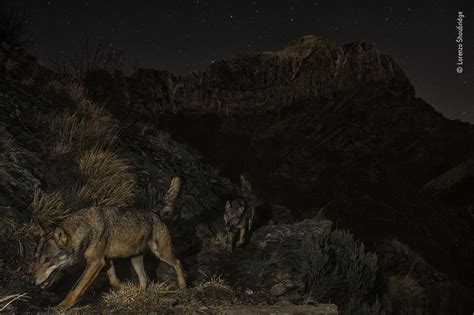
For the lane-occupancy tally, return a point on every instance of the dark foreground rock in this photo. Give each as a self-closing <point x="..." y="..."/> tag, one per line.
<point x="268" y="264"/>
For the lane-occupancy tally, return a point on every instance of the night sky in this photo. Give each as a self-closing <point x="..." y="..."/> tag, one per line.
<point x="184" y="36"/>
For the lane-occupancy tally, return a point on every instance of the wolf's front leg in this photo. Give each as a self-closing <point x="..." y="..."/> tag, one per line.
<point x="88" y="275"/>
<point x="230" y="241"/>
<point x="243" y="233"/>
<point x="113" y="279"/>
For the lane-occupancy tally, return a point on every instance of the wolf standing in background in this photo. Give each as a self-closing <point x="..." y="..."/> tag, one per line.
<point x="100" y="234"/>
<point x="239" y="213"/>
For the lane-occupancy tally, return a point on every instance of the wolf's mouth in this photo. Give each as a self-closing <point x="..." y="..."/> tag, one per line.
<point x="48" y="281"/>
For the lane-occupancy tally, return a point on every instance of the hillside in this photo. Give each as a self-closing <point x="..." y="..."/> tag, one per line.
<point x="333" y="137"/>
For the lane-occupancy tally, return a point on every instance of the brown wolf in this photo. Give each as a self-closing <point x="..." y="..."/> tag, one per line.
<point x="237" y="216"/>
<point x="239" y="213"/>
<point x="98" y="235"/>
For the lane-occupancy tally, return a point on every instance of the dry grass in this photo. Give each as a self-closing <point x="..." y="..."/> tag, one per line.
<point x="6" y="300"/>
<point x="216" y="282"/>
<point x="130" y="297"/>
<point x="108" y="179"/>
<point x="9" y="150"/>
<point x="61" y="89"/>
<point x="48" y="209"/>
<point x="16" y="239"/>
<point x="88" y="126"/>
<point x="82" y="132"/>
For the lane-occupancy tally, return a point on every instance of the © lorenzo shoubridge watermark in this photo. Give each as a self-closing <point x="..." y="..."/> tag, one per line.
<point x="460" y="40"/>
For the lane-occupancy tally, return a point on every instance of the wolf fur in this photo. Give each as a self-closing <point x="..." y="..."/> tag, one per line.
<point x="239" y="214"/>
<point x="98" y="235"/>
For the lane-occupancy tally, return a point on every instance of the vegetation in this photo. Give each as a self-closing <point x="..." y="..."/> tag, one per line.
<point x="79" y="141"/>
<point x="130" y="297"/>
<point x="337" y="268"/>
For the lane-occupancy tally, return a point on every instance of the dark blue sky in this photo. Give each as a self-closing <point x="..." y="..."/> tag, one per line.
<point x="183" y="36"/>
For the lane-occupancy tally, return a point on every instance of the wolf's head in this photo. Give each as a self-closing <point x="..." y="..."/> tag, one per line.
<point x="52" y="256"/>
<point x="234" y="213"/>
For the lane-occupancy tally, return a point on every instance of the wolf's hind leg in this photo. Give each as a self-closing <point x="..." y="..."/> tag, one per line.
<point x="162" y="248"/>
<point x="242" y="236"/>
<point x="113" y="279"/>
<point x="252" y="215"/>
<point x="137" y="263"/>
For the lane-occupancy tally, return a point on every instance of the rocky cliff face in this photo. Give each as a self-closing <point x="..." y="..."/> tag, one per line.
<point x="311" y="67"/>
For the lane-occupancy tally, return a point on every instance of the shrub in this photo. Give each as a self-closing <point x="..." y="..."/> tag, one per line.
<point x="337" y="268"/>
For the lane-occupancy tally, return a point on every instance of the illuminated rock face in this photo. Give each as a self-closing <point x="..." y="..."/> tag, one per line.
<point x="310" y="67"/>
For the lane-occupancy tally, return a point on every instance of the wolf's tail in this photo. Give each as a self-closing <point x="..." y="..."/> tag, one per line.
<point x="246" y="187"/>
<point x="171" y="196"/>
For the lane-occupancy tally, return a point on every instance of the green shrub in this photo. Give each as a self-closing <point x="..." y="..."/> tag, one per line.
<point x="337" y="268"/>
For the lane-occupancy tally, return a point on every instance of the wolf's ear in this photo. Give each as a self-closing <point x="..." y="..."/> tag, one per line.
<point x="227" y="204"/>
<point x="241" y="210"/>
<point x="60" y="237"/>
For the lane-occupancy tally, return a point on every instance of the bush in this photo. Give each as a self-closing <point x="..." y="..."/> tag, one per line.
<point x="337" y="268"/>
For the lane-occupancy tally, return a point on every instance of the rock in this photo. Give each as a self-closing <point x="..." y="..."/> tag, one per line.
<point x="278" y="289"/>
<point x="269" y="260"/>
<point x="282" y="214"/>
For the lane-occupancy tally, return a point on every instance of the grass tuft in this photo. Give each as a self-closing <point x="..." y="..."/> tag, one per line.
<point x="6" y="300"/>
<point x="131" y="297"/>
<point x="48" y="209"/>
<point x="108" y="179"/>
<point x="16" y="239"/>
<point x="215" y="282"/>
<point x="86" y="127"/>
